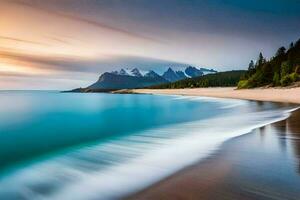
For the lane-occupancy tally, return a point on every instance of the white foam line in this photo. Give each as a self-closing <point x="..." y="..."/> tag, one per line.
<point x="188" y="143"/>
<point x="121" y="180"/>
<point x="227" y="103"/>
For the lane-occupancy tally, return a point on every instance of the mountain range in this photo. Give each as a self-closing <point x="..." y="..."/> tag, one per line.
<point x="135" y="78"/>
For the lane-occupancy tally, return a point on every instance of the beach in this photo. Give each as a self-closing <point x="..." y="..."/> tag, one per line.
<point x="112" y="145"/>
<point x="163" y="147"/>
<point x="264" y="164"/>
<point x="286" y="95"/>
<point x="149" y="100"/>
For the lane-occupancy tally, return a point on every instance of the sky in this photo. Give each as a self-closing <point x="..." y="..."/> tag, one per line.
<point x="64" y="44"/>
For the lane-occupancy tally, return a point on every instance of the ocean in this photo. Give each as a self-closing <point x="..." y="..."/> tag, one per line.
<point x="106" y="146"/>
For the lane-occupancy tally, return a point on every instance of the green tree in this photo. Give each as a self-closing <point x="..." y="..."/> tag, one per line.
<point x="276" y="79"/>
<point x="286" y="80"/>
<point x="280" y="51"/>
<point x="260" y="60"/>
<point x="286" y="69"/>
<point x="297" y="44"/>
<point x="251" y="65"/>
<point x="282" y="69"/>
<point x="267" y="73"/>
<point x="251" y="69"/>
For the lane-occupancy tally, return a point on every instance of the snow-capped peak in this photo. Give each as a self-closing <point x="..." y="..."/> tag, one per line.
<point x="136" y="72"/>
<point x="130" y="72"/>
<point x="123" y="72"/>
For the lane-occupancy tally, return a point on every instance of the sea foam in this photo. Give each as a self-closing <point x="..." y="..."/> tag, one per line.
<point x="118" y="167"/>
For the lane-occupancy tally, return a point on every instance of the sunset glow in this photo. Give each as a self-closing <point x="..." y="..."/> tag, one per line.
<point x="90" y="37"/>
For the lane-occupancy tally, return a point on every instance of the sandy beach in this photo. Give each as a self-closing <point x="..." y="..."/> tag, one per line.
<point x="287" y="95"/>
<point x="263" y="164"/>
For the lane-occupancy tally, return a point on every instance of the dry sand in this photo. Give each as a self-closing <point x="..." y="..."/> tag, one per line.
<point x="286" y="95"/>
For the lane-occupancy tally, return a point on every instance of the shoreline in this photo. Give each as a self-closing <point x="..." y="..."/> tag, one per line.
<point x="280" y="95"/>
<point x="230" y="173"/>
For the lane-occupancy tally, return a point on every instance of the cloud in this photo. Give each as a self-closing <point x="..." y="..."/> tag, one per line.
<point x="95" y="66"/>
<point x="22" y="40"/>
<point x="59" y="40"/>
<point x="82" y="20"/>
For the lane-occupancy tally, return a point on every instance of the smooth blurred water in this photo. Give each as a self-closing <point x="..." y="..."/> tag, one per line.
<point x="104" y="146"/>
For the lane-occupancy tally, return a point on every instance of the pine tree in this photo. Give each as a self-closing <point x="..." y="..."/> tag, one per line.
<point x="282" y="69"/>
<point x="280" y="51"/>
<point x="251" y="69"/>
<point x="260" y="61"/>
<point x="251" y="66"/>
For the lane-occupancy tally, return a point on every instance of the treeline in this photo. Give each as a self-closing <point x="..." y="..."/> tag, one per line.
<point x="281" y="70"/>
<point x="220" y="79"/>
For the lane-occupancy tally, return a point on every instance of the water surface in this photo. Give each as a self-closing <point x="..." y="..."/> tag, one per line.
<point x="104" y="146"/>
<point x="264" y="165"/>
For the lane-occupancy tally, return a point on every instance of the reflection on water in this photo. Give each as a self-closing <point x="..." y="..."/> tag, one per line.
<point x="289" y="133"/>
<point x="87" y="146"/>
<point x="264" y="165"/>
<point x="267" y="164"/>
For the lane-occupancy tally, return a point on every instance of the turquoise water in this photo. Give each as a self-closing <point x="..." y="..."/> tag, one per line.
<point x="85" y="146"/>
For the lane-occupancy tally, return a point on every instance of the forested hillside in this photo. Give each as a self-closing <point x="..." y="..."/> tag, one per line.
<point x="221" y="79"/>
<point x="281" y="70"/>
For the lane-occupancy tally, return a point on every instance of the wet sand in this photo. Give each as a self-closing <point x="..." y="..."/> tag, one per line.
<point x="264" y="164"/>
<point x="285" y="95"/>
